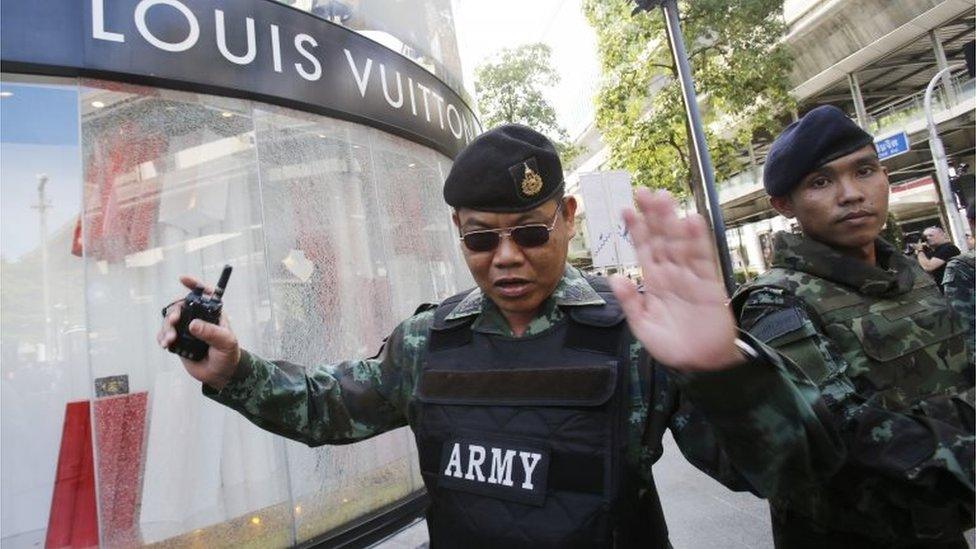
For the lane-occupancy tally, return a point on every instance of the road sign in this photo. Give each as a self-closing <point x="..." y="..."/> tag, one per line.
<point x="892" y="145"/>
<point x="605" y="194"/>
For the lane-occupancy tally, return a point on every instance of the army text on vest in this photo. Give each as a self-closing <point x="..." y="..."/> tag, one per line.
<point x="521" y="440"/>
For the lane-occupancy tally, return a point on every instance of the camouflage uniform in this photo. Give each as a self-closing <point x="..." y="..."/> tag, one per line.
<point x="771" y="426"/>
<point x="958" y="283"/>
<point x="890" y="361"/>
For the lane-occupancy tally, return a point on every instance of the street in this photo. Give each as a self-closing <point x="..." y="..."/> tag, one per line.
<point x="701" y="513"/>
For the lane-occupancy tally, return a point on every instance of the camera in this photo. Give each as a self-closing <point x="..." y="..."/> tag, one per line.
<point x="912" y="242"/>
<point x="198" y="306"/>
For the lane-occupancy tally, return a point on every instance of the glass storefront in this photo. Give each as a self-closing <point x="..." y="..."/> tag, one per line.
<point x="336" y="232"/>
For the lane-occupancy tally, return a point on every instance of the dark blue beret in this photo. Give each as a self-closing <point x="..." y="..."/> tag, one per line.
<point x="821" y="136"/>
<point x="510" y="168"/>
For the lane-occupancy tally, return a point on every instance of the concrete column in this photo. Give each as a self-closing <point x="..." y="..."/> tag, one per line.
<point x="862" y="113"/>
<point x="940" y="58"/>
<point x="754" y="162"/>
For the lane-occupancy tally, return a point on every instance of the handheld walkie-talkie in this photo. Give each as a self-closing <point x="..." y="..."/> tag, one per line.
<point x="197" y="306"/>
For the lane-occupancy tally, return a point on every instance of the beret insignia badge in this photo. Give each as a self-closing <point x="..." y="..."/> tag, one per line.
<point x="531" y="182"/>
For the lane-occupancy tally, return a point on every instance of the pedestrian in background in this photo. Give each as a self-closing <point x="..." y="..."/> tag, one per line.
<point x="934" y="252"/>
<point x="872" y="330"/>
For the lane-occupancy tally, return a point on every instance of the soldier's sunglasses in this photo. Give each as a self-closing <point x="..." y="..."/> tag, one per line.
<point x="526" y="236"/>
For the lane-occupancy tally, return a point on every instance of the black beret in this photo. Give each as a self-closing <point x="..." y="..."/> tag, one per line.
<point x="822" y="135"/>
<point x="509" y="168"/>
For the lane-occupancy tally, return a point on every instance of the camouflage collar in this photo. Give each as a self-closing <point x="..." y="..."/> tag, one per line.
<point x="572" y="290"/>
<point x="894" y="274"/>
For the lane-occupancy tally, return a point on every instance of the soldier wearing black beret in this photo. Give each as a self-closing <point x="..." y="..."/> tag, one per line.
<point x="871" y="329"/>
<point x="538" y="411"/>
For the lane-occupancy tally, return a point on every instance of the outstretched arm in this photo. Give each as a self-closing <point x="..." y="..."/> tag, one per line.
<point x="927" y="449"/>
<point x="323" y="404"/>
<point x="735" y="415"/>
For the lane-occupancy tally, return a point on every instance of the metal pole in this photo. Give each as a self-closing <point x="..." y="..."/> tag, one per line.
<point x="704" y="164"/>
<point x="956" y="229"/>
<point x="862" y="112"/>
<point x="42" y="206"/>
<point x="943" y="64"/>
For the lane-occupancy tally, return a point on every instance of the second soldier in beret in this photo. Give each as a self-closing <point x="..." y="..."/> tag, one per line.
<point x="872" y="330"/>
<point x="538" y="410"/>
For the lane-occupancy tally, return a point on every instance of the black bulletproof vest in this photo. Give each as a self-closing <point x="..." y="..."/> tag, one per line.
<point x="522" y="440"/>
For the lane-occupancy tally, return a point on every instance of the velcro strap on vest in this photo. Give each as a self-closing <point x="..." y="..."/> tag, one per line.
<point x="567" y="472"/>
<point x="604" y="340"/>
<point x="580" y="386"/>
<point x="777" y="324"/>
<point x="449" y="338"/>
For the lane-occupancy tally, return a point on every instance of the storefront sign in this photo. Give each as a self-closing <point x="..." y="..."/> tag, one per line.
<point x="258" y="49"/>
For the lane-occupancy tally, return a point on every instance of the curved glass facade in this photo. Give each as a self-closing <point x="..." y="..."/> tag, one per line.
<point x="336" y="232"/>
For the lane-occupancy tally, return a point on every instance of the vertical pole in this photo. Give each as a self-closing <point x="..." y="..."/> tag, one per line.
<point x="753" y="160"/>
<point x="42" y="207"/>
<point x="943" y="63"/>
<point x="743" y="253"/>
<point x="704" y="164"/>
<point x="956" y="228"/>
<point x="862" y="112"/>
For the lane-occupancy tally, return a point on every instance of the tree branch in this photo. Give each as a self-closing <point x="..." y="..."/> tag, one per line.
<point x="670" y="67"/>
<point x="681" y="152"/>
<point x="716" y="46"/>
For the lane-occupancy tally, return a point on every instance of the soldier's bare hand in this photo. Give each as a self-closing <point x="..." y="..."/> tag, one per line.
<point x="222" y="358"/>
<point x="682" y="317"/>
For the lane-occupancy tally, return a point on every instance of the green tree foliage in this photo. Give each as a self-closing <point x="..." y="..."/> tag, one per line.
<point x="892" y="232"/>
<point x="510" y="90"/>
<point x="740" y="70"/>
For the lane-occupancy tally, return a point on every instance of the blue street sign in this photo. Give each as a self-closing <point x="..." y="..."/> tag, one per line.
<point x="892" y="145"/>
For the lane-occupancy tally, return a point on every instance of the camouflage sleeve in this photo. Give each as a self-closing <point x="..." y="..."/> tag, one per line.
<point x="927" y="450"/>
<point x="335" y="403"/>
<point x="755" y="427"/>
<point x="957" y="283"/>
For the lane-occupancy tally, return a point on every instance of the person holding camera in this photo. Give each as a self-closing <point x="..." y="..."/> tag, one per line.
<point x="872" y="330"/>
<point x="538" y="399"/>
<point x="934" y="251"/>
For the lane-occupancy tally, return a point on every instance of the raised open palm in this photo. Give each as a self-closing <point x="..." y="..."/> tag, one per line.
<point x="682" y="317"/>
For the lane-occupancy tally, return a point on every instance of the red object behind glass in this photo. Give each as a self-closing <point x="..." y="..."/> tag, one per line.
<point x="120" y="428"/>
<point x="120" y="214"/>
<point x="120" y="423"/>
<point x="73" y="521"/>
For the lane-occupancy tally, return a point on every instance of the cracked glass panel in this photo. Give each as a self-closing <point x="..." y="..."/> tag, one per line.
<point x="351" y="253"/>
<point x="171" y="188"/>
<point x="336" y="232"/>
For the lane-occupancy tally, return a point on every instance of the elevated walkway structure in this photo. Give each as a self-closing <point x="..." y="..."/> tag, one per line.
<point x="873" y="59"/>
